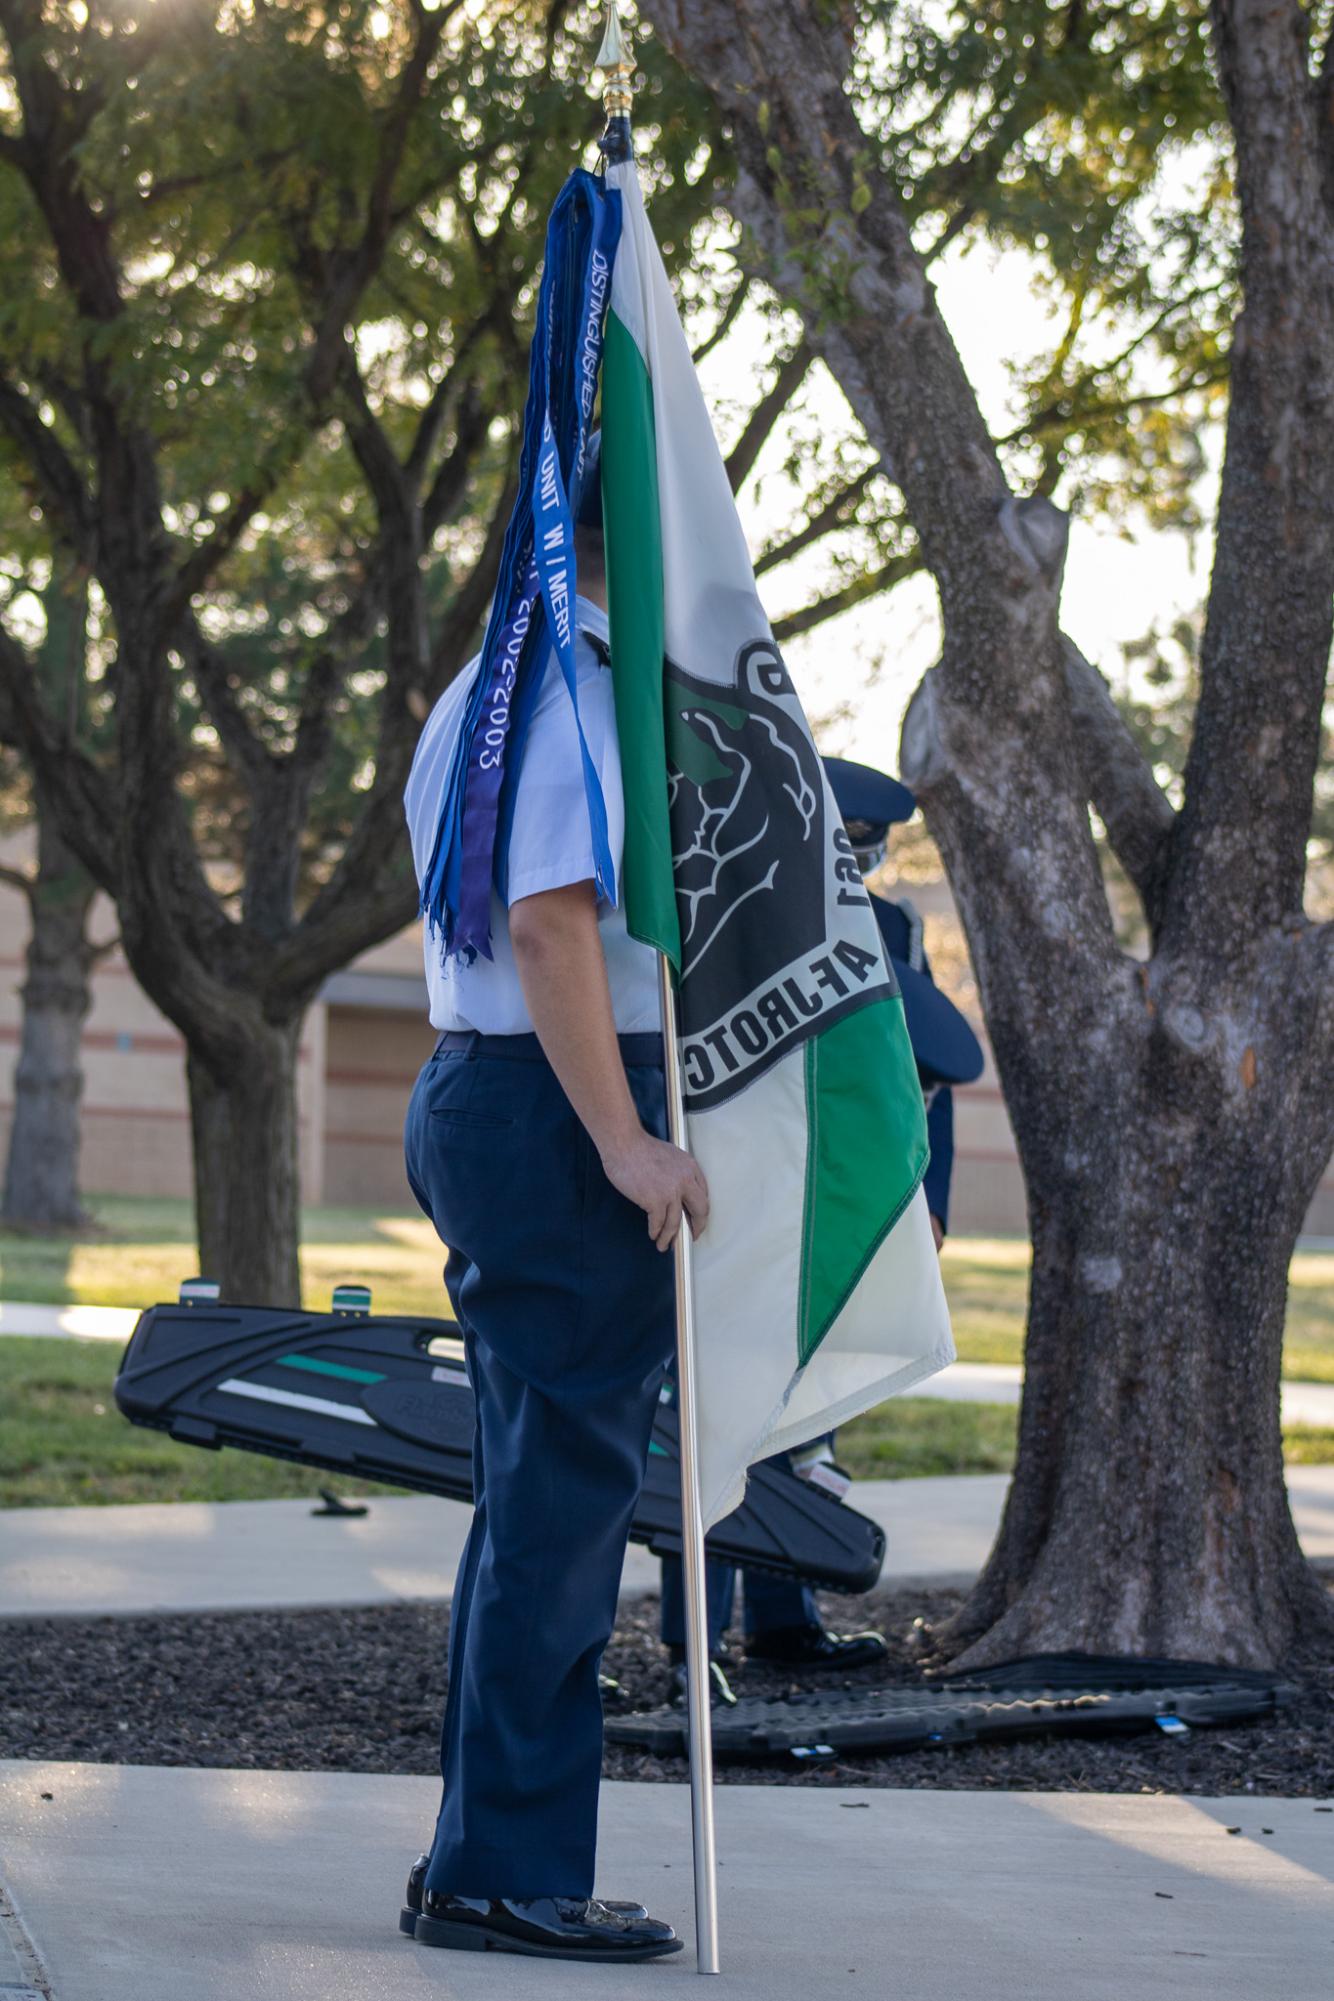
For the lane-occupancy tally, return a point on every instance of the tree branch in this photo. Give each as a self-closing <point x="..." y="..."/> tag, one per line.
<point x="990" y="742"/>
<point x="472" y="425"/>
<point x="17" y="879"/>
<point x="346" y="273"/>
<point x="371" y="892"/>
<point x="967" y="178"/>
<point x="1323" y="87"/>
<point x="836" y="241"/>
<point x="865" y="586"/>
<point x="1057" y="416"/>
<point x="203" y="561"/>
<point x="459" y="627"/>
<point x="131" y="549"/>
<point x="400" y="535"/>
<point x="452" y="390"/>
<point x="331" y="314"/>
<point x="727" y="320"/>
<point x="79" y="791"/>
<point x="830" y="516"/>
<point x="791" y="374"/>
<point x="1239" y="853"/>
<point x="1138" y="815"/>
<point x="56" y="476"/>
<point x="236" y="732"/>
<point x="314" y="728"/>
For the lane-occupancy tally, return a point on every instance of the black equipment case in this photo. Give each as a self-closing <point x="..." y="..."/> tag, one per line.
<point x="385" y="1397"/>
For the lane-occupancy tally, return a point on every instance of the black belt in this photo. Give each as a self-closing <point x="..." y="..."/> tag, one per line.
<point x="637" y="1049"/>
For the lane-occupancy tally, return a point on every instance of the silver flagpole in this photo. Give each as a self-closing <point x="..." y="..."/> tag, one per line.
<point x="614" y="60"/>
<point x="692" y="1525"/>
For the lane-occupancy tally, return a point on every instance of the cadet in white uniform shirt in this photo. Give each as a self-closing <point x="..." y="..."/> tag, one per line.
<point x="550" y="844"/>
<point x="536" y="1142"/>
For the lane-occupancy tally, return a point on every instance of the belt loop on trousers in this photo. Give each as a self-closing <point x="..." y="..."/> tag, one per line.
<point x="458" y="1042"/>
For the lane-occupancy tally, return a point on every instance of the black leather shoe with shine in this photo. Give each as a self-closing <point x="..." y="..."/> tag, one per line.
<point x="541" y="1928"/>
<point x="412" y="1900"/>
<point x="812" y="1646"/>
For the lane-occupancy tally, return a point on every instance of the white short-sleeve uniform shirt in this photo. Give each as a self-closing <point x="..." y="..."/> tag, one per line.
<point x="550" y="843"/>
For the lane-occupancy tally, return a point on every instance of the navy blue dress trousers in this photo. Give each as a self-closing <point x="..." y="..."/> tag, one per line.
<point x="567" y="1315"/>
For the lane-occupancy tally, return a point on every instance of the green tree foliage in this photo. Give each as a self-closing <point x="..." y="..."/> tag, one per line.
<point x="266" y="280"/>
<point x="1090" y="136"/>
<point x="235" y="157"/>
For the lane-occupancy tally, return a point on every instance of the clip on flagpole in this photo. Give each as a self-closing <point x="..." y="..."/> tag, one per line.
<point x="615" y="61"/>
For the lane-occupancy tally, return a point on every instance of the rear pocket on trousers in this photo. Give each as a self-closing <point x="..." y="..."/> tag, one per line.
<point x="449" y="1115"/>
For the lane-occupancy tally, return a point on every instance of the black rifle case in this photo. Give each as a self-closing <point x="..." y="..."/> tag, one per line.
<point x="385" y="1397"/>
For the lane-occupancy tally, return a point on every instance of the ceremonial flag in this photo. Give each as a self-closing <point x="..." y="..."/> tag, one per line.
<point x="817" y="1286"/>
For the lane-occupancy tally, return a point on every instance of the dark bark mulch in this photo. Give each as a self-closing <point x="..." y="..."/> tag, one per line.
<point x="361" y="1691"/>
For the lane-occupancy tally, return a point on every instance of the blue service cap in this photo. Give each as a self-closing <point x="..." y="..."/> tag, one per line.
<point x="868" y="796"/>
<point x="588" y="505"/>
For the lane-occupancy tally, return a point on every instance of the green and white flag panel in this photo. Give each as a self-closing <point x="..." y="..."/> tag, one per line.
<point x="817" y="1286"/>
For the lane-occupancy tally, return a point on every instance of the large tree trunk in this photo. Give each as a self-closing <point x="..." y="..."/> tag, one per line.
<point x="1172" y="1118"/>
<point x="243" y="1115"/>
<point x="1148" y="1512"/>
<point x="42" y="1173"/>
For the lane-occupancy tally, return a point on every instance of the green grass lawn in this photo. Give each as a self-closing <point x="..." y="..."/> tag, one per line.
<point x="145" y="1247"/>
<point x="62" y="1439"/>
<point x="987" y="1283"/>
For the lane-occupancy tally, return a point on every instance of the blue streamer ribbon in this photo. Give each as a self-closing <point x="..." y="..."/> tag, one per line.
<point x="533" y="607"/>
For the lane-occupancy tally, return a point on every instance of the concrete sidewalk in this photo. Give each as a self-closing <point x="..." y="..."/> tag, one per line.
<point x="143" y="1885"/>
<point x="69" y="1323"/>
<point x="242" y="1555"/>
<point x="1309" y="1404"/>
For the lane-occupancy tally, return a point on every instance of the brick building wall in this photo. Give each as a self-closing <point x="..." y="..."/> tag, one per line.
<point x="363" y="1043"/>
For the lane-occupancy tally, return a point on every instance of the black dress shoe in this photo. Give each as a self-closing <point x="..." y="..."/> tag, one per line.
<point x="412" y="1900"/>
<point x="813" y="1647"/>
<point x="541" y="1928"/>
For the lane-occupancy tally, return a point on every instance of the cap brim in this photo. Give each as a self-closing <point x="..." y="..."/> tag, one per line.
<point x="862" y="793"/>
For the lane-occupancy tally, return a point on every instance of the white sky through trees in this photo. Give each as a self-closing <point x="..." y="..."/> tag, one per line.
<point x="856" y="672"/>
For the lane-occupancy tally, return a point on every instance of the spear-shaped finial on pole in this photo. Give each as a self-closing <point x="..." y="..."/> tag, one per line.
<point x="615" y="60"/>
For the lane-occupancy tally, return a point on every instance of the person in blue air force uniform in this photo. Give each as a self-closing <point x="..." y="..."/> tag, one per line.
<point x="781" y="1620"/>
<point x="536" y="1143"/>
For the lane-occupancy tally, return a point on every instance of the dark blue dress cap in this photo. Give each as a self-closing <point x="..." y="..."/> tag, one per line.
<point x="946" y="1050"/>
<point x="871" y="797"/>
<point x="588" y="501"/>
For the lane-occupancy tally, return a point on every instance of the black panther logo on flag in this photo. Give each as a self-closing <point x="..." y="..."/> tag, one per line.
<point x="747" y="811"/>
<point x="760" y="875"/>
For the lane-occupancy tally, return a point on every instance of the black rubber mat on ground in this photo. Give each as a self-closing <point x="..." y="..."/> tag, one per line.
<point x="1110" y="1671"/>
<point x="1043" y="1697"/>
